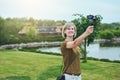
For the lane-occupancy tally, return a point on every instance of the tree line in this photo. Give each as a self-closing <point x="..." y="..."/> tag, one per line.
<point x="10" y="27"/>
<point x="110" y="31"/>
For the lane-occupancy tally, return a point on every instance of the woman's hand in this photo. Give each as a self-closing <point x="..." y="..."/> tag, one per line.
<point x="89" y="30"/>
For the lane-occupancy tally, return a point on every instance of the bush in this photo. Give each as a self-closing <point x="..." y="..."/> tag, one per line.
<point x="116" y="61"/>
<point x="91" y="58"/>
<point x="106" y="60"/>
<point x="26" y="39"/>
<point x="106" y="34"/>
<point x="109" y="34"/>
<point x="116" y="33"/>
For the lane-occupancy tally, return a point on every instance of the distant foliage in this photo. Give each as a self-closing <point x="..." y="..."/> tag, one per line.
<point x="10" y="27"/>
<point x="110" y="26"/>
<point x="109" y="34"/>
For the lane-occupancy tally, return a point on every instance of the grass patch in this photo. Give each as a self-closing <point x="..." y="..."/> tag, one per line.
<point x="38" y="51"/>
<point x="19" y="65"/>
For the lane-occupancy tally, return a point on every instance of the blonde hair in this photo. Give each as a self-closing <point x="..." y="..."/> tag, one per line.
<point x="67" y="25"/>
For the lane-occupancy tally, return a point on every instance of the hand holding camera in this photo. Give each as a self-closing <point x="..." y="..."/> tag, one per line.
<point x="89" y="30"/>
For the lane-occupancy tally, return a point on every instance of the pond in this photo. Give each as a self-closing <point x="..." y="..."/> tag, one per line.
<point x="94" y="50"/>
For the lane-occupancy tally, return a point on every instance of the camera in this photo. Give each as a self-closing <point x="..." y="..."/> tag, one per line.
<point x="91" y="19"/>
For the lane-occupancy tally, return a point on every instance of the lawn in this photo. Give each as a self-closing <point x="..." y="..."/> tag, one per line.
<point x="18" y="65"/>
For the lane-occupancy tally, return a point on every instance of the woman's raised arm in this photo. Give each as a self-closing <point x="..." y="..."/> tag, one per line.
<point x="77" y="41"/>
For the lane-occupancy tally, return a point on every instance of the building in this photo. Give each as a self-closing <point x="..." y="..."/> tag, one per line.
<point x="27" y="28"/>
<point x="42" y="30"/>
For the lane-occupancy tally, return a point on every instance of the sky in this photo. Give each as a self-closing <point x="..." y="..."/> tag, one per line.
<point x="60" y="9"/>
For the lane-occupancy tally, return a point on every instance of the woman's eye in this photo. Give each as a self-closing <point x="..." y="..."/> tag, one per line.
<point x="68" y="28"/>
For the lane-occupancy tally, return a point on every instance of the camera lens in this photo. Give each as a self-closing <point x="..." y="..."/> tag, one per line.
<point x="90" y="17"/>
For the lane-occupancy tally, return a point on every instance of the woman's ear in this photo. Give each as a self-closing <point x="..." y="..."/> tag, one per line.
<point x="65" y="34"/>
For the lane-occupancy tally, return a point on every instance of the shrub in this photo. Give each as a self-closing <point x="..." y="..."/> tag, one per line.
<point x="91" y="58"/>
<point x="116" y="61"/>
<point x="106" y="34"/>
<point x="116" y="33"/>
<point x="106" y="60"/>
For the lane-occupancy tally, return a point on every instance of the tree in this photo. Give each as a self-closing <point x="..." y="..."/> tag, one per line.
<point x="82" y="23"/>
<point x="3" y="32"/>
<point x="107" y="34"/>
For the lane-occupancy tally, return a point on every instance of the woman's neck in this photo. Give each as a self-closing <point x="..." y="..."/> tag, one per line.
<point x="69" y="39"/>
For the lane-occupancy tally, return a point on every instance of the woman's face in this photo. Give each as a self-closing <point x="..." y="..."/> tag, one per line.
<point x="70" y="31"/>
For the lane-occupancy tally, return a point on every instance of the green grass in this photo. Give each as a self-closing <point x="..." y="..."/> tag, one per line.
<point x="18" y="65"/>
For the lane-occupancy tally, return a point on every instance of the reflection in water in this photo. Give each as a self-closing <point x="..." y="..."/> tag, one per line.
<point x="94" y="50"/>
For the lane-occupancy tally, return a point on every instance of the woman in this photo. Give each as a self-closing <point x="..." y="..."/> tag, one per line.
<point x="70" y="51"/>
